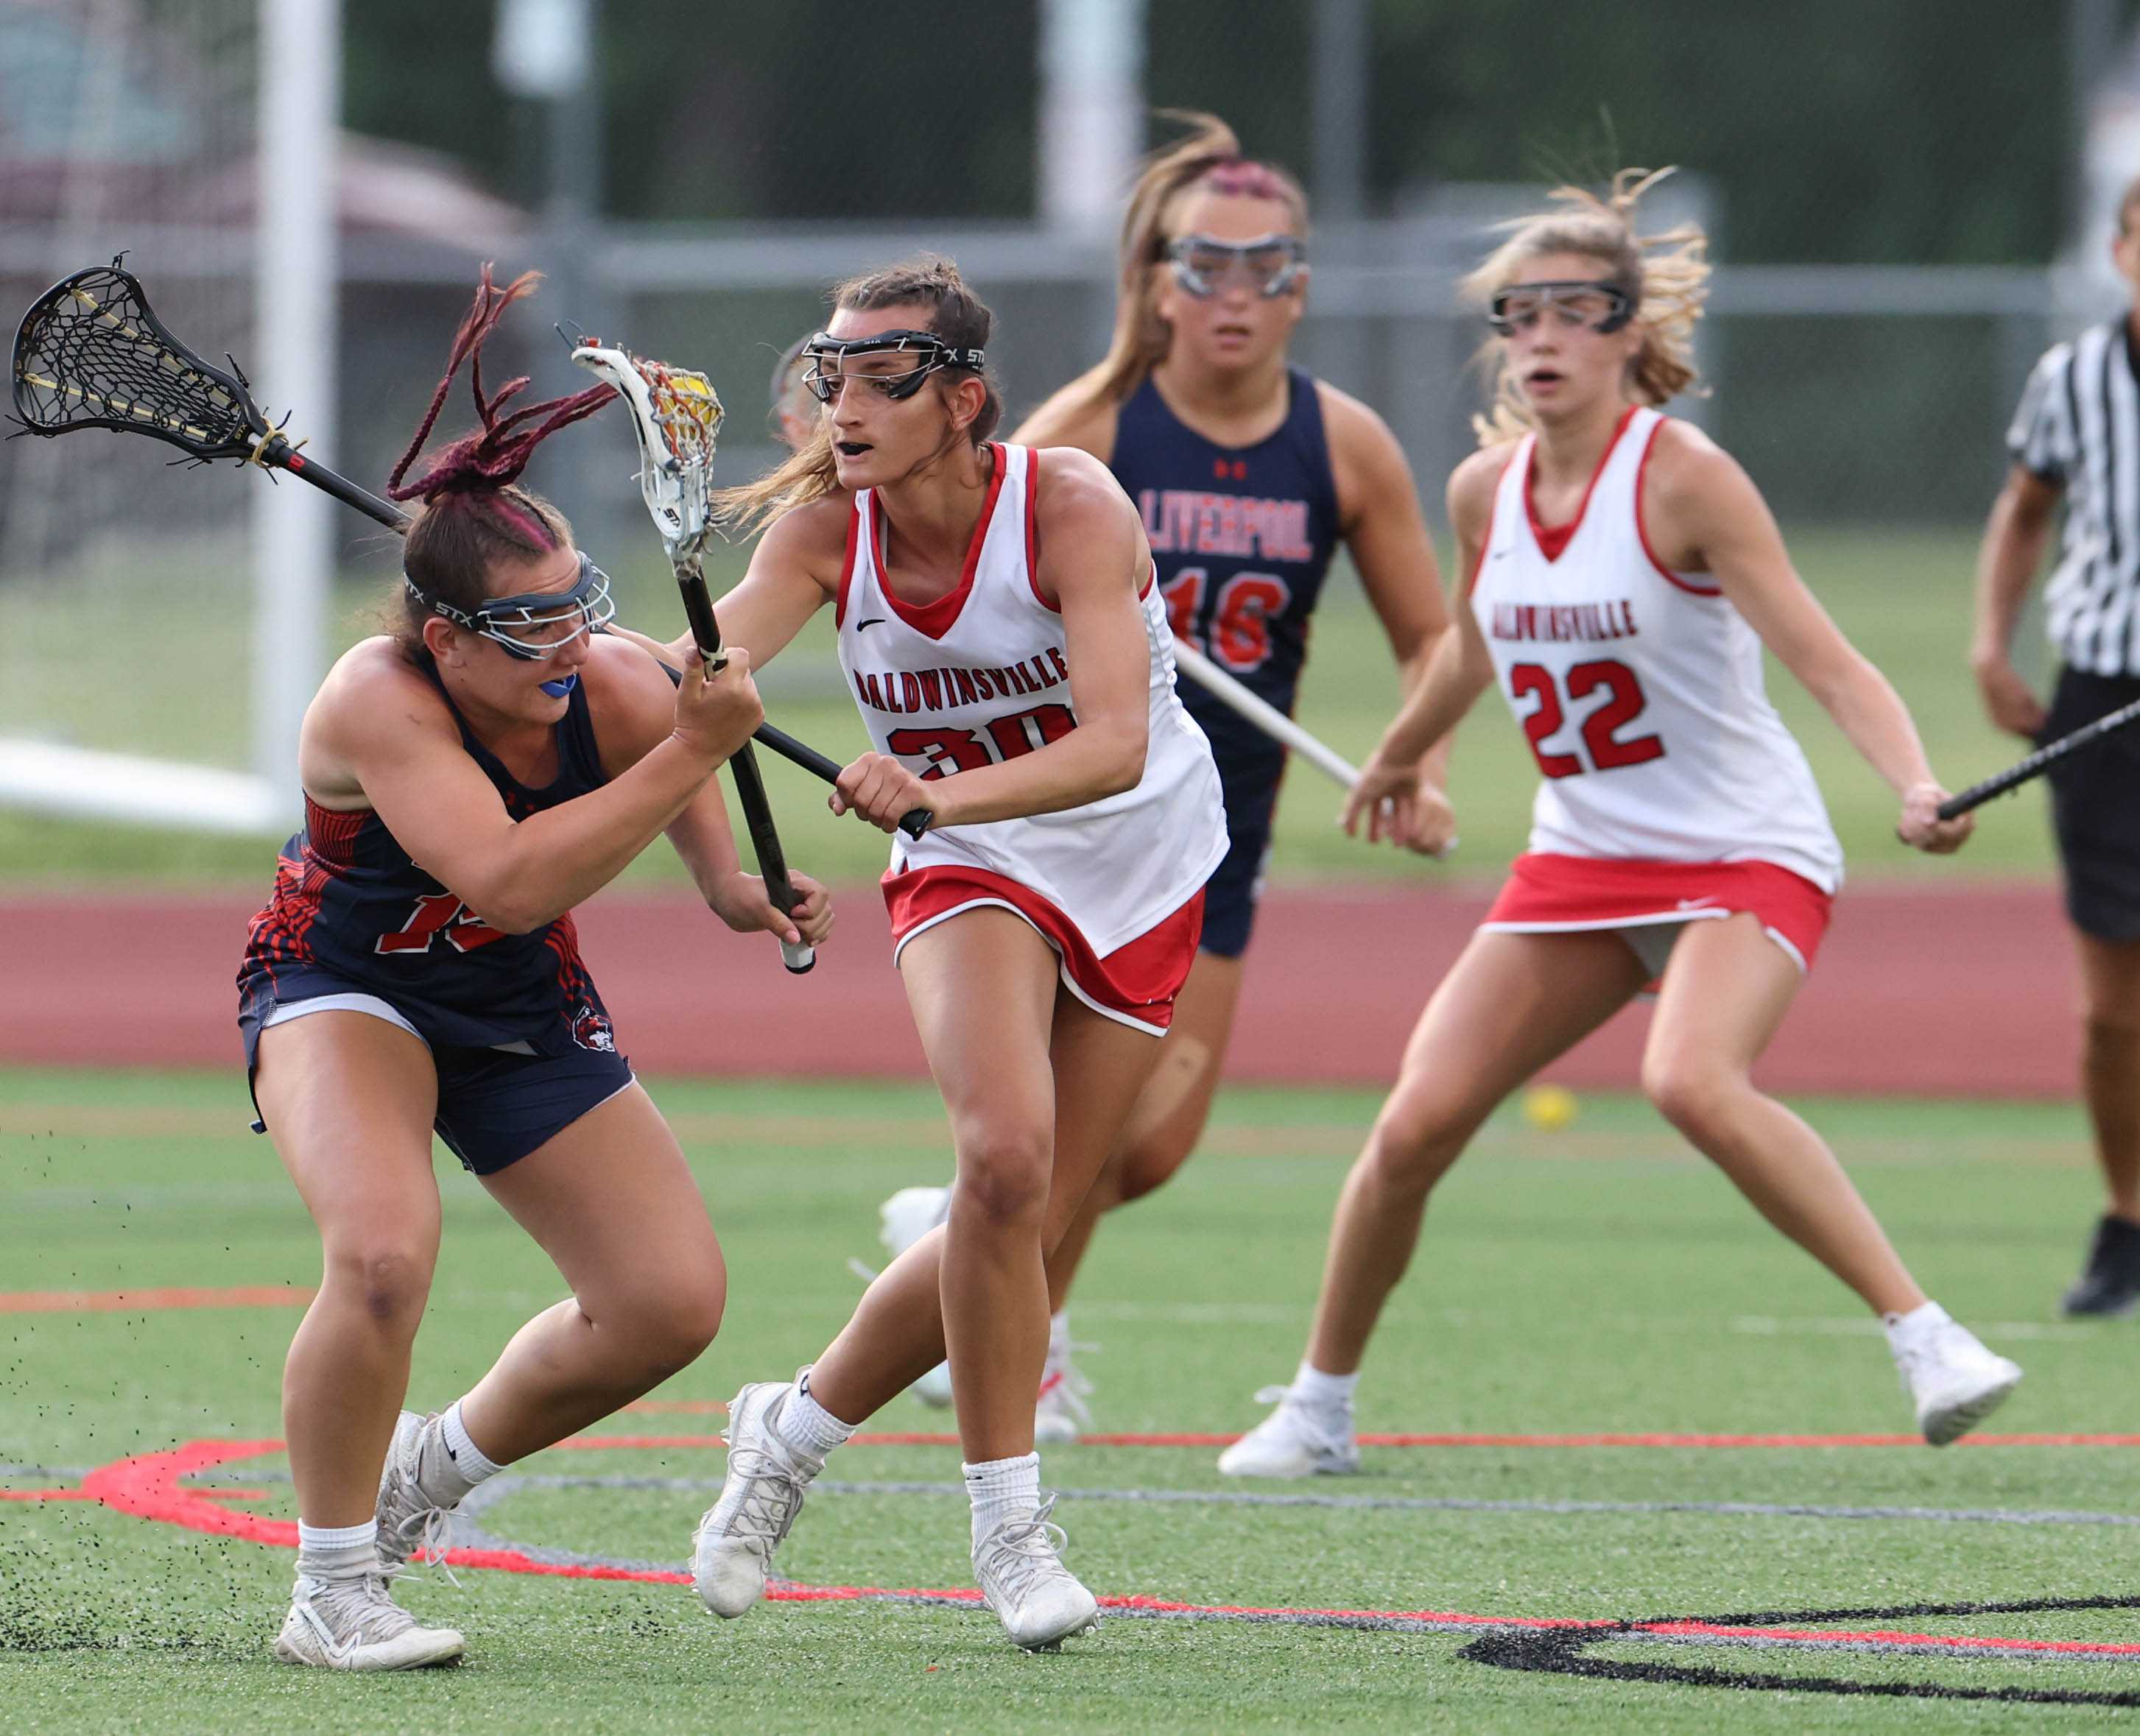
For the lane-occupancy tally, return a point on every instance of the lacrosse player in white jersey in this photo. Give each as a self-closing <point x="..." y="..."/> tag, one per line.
<point x="1000" y="628"/>
<point x="1622" y="577"/>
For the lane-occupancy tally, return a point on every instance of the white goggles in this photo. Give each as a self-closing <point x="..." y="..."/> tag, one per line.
<point x="1270" y="265"/>
<point x="536" y="625"/>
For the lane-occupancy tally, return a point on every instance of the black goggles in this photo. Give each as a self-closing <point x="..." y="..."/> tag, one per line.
<point x="1270" y="265"/>
<point x="1573" y="302"/>
<point x="894" y="363"/>
<point x="536" y="625"/>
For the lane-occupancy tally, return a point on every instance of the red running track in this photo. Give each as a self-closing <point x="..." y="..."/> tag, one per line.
<point x="1964" y="991"/>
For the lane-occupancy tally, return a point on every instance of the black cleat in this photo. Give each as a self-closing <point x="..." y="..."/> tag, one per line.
<point x="2110" y="1283"/>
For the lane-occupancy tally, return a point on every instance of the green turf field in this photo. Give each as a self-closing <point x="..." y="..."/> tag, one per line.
<point x="1903" y="595"/>
<point x="1597" y="1279"/>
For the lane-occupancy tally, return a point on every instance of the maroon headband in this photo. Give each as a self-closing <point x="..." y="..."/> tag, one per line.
<point x="1249" y="179"/>
<point x="496" y="454"/>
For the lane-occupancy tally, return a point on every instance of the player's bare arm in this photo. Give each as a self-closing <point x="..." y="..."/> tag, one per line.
<point x="1705" y="515"/>
<point x="2014" y="538"/>
<point x="1385" y="533"/>
<point x="1093" y="562"/>
<point x="1459" y="670"/>
<point x="632" y="704"/>
<point x="380" y="728"/>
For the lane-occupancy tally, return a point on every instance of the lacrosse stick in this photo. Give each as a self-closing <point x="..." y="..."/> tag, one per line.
<point x="2039" y="762"/>
<point x="89" y="353"/>
<point x="675" y="415"/>
<point x="1273" y="722"/>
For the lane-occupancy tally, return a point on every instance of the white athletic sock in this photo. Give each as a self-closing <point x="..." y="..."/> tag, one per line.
<point x="806" y="1426"/>
<point x="470" y="1464"/>
<point x="1000" y="1488"/>
<point x="1323" y="1395"/>
<point x="1058" y="1336"/>
<point x="1904" y="1328"/>
<point x="333" y="1552"/>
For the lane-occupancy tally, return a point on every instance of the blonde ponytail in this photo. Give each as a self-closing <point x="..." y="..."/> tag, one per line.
<point x="1666" y="275"/>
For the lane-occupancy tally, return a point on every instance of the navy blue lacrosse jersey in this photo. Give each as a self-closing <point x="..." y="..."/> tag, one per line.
<point x="352" y="913"/>
<point x="1242" y="536"/>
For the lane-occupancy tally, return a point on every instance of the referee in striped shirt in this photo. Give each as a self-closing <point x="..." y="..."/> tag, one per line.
<point x="2077" y="436"/>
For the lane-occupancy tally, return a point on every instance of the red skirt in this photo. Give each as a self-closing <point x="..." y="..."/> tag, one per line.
<point x="1135" y="984"/>
<point x="1569" y="894"/>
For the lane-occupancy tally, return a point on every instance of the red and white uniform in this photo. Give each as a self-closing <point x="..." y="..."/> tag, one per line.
<point x="981" y="676"/>
<point x="1672" y="791"/>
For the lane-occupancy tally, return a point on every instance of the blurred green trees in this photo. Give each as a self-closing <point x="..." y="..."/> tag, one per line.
<point x="1838" y="129"/>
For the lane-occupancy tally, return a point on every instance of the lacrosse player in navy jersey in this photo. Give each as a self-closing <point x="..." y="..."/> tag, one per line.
<point x="1248" y="473"/>
<point x="492" y="736"/>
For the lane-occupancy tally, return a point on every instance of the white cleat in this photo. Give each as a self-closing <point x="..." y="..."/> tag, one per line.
<point x="351" y="1623"/>
<point x="1955" y="1382"/>
<point x="732" y="1551"/>
<point x="1293" y="1442"/>
<point x="418" y="1491"/>
<point x="905" y="1217"/>
<point x="1061" y="1412"/>
<point x="1018" y="1567"/>
<point x="910" y="1214"/>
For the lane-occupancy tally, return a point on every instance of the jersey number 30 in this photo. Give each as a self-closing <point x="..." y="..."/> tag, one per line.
<point x="1609" y="751"/>
<point x="949" y="750"/>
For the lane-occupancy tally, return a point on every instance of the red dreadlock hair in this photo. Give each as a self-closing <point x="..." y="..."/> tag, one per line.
<point x="471" y="514"/>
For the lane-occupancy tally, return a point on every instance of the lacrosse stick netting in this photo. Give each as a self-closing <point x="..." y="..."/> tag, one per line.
<point x="91" y="353"/>
<point x="676" y="416"/>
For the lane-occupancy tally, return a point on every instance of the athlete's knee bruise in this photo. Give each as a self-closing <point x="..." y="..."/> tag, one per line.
<point x="1003" y="1176"/>
<point x="391" y="1280"/>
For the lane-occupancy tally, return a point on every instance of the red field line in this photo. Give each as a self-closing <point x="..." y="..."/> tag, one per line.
<point x="147" y="1486"/>
<point x="128" y="1301"/>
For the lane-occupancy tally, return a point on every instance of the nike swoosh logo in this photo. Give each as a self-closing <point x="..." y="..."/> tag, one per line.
<point x="873" y="621"/>
<point x="1695" y="903"/>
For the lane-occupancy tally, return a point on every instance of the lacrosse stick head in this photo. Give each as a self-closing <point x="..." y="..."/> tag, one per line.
<point x="91" y="353"/>
<point x="675" y="416"/>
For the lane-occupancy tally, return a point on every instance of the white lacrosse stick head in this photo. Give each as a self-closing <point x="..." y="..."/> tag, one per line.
<point x="675" y="415"/>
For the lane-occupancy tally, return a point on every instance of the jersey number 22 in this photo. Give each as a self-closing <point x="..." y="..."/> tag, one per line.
<point x="1624" y="703"/>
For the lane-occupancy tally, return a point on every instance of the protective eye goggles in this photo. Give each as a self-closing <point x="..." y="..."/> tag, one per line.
<point x="536" y="625"/>
<point x="1269" y="265"/>
<point x="1574" y="301"/>
<point x="894" y="363"/>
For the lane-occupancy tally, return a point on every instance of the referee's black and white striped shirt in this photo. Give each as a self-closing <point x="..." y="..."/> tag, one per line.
<point x="2079" y="427"/>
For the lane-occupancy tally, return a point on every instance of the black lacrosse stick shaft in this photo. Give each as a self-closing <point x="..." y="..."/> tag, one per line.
<point x="2037" y="764"/>
<point x="698" y="607"/>
<point x="282" y="456"/>
<point x="742" y="766"/>
<point x="913" y="823"/>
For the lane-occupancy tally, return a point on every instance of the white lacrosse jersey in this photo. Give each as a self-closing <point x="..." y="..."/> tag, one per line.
<point x="981" y="676"/>
<point x="1639" y="688"/>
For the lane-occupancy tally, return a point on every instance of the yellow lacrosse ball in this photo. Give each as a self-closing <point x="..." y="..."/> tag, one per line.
<point x="1551" y="1106"/>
